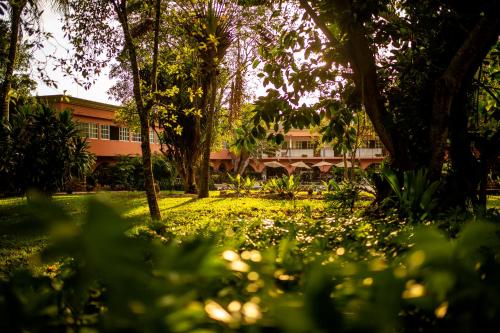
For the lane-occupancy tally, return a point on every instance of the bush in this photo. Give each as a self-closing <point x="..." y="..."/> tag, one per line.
<point x="342" y="196"/>
<point x="127" y="174"/>
<point x="285" y="186"/>
<point x="415" y="198"/>
<point x="41" y="150"/>
<point x="239" y="184"/>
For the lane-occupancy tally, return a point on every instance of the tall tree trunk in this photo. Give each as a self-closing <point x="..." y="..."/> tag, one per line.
<point x="462" y="66"/>
<point x="465" y="176"/>
<point x="15" y="22"/>
<point x="242" y="162"/>
<point x="237" y="88"/>
<point x="190" y="186"/>
<point x="346" y="169"/>
<point x="154" y="209"/>
<point x="205" y="162"/>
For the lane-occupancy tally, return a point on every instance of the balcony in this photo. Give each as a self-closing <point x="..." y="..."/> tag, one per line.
<point x="325" y="152"/>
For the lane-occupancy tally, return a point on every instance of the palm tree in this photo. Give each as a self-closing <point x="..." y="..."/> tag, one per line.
<point x="211" y="26"/>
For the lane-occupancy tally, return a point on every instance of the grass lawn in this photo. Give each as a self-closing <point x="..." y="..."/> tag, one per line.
<point x="183" y="215"/>
<point x="290" y="263"/>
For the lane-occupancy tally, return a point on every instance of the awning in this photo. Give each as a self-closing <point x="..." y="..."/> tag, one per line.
<point x="341" y="164"/>
<point x="322" y="164"/>
<point x="300" y="165"/>
<point x="274" y="164"/>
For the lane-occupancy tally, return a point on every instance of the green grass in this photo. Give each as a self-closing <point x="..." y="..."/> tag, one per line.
<point x="185" y="216"/>
<point x="493" y="202"/>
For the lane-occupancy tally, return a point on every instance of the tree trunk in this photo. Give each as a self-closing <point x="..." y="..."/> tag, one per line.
<point x="205" y="163"/>
<point x="462" y="66"/>
<point x="242" y="162"/>
<point x="154" y="209"/>
<point x="190" y="181"/>
<point x="15" y="22"/>
<point x="346" y="169"/>
<point x="464" y="179"/>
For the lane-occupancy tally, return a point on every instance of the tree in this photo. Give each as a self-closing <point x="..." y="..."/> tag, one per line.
<point x="88" y="25"/>
<point x="23" y="17"/>
<point x="21" y="82"/>
<point x="410" y="65"/>
<point x="211" y="27"/>
<point x="17" y="8"/>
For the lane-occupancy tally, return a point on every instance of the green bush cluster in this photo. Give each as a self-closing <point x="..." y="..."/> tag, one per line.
<point x="285" y="186"/>
<point x="239" y="184"/>
<point x="127" y="174"/>
<point x="415" y="197"/>
<point x="341" y="196"/>
<point x="42" y="150"/>
<point x="277" y="275"/>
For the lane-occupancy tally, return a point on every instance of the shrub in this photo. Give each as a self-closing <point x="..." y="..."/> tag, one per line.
<point x="41" y="150"/>
<point x="285" y="186"/>
<point x="416" y="197"/>
<point x="127" y="173"/>
<point x="341" y="196"/>
<point x="239" y="184"/>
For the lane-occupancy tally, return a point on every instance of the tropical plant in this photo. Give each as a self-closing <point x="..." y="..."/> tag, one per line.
<point x="236" y="183"/>
<point x="42" y="150"/>
<point x="285" y="186"/>
<point x="239" y="184"/>
<point x="416" y="197"/>
<point x="341" y="196"/>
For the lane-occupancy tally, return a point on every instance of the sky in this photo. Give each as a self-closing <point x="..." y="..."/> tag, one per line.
<point x="51" y="22"/>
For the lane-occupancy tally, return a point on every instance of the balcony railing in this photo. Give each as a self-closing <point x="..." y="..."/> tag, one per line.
<point x="325" y="152"/>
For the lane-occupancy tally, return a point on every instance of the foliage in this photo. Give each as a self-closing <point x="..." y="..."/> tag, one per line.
<point x="286" y="274"/>
<point x="41" y="149"/>
<point x="239" y="184"/>
<point x="127" y="174"/>
<point x="285" y="186"/>
<point x="342" y="196"/>
<point x="416" y="197"/>
<point x="385" y="57"/>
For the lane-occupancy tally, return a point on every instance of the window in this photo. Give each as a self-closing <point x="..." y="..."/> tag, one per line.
<point x="372" y="143"/>
<point x="303" y="145"/>
<point x="151" y="136"/>
<point x="105" y="129"/>
<point x="124" y="134"/>
<point x="114" y="133"/>
<point x="136" y="137"/>
<point x="88" y="130"/>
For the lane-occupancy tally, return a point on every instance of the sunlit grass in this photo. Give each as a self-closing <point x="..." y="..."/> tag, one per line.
<point x="493" y="202"/>
<point x="184" y="215"/>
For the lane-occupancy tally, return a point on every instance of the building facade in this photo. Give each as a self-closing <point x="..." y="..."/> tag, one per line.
<point x="109" y="139"/>
<point x="96" y="121"/>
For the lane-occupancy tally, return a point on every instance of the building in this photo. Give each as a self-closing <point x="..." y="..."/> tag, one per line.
<point x="109" y="139"/>
<point x="96" y="121"/>
<point x="304" y="146"/>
